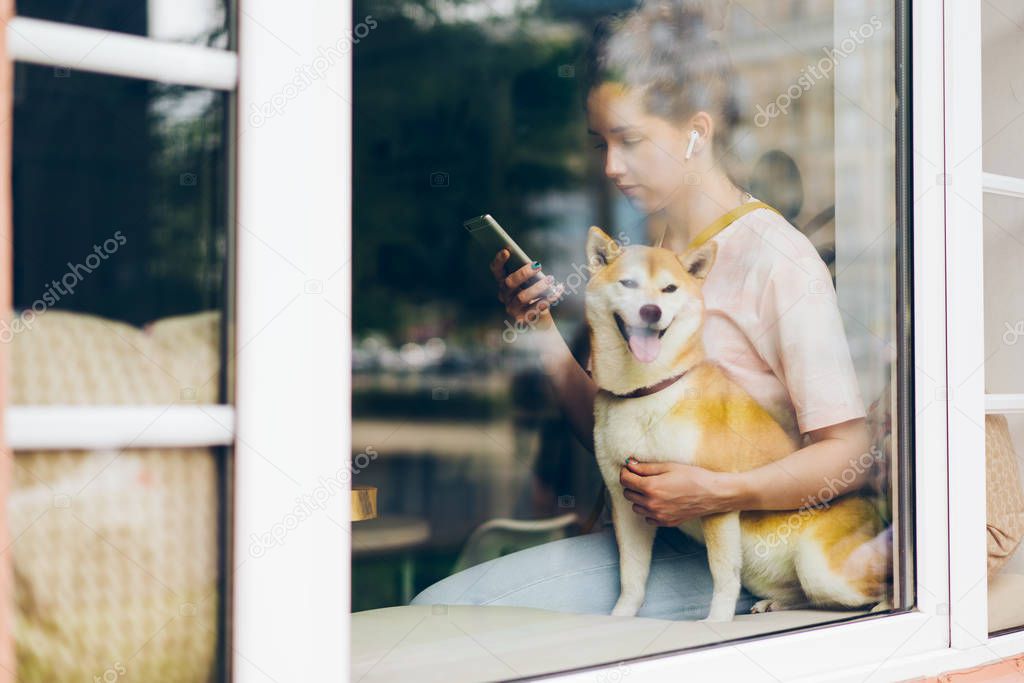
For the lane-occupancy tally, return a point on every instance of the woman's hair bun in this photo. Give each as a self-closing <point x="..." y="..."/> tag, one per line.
<point x="682" y="18"/>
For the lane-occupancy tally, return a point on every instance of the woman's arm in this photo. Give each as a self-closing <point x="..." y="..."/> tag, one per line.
<point x="668" y="494"/>
<point x="833" y="464"/>
<point x="573" y="387"/>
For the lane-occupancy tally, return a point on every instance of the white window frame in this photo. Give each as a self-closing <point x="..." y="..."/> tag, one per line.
<point x="291" y="611"/>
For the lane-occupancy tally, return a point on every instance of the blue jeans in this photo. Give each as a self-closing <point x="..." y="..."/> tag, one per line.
<point x="581" y="575"/>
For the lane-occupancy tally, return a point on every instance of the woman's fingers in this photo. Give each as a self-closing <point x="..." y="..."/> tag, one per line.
<point x="498" y="265"/>
<point x="636" y="497"/>
<point x="631" y="480"/>
<point x="521" y="275"/>
<point x="498" y="271"/>
<point x="535" y="291"/>
<point x="537" y="297"/>
<point x="522" y="311"/>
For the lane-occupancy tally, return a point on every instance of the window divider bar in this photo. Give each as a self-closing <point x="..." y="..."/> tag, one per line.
<point x="1007" y="186"/>
<point x="72" y="47"/>
<point x="75" y="427"/>
<point x="1004" y="404"/>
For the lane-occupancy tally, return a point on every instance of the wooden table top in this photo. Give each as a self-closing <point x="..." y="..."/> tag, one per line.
<point x="364" y="503"/>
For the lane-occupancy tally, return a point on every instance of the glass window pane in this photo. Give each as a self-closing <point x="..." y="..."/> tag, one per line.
<point x="473" y="427"/>
<point x="1004" y="370"/>
<point x="117" y="564"/>
<point x="1002" y="153"/>
<point x="202" y="22"/>
<point x="1002" y="88"/>
<point x="120" y="239"/>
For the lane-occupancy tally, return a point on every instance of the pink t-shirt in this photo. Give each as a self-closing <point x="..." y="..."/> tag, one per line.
<point x="772" y="322"/>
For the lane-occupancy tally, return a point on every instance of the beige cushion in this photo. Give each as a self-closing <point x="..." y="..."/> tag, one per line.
<point x="453" y="643"/>
<point x="1004" y="497"/>
<point x="72" y="358"/>
<point x="115" y="553"/>
<point x="1005" y="601"/>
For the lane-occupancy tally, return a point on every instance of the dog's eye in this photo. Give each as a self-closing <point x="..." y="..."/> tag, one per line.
<point x="628" y="283"/>
<point x="669" y="289"/>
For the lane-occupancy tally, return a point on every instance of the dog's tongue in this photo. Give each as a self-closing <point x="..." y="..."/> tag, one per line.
<point x="644" y="346"/>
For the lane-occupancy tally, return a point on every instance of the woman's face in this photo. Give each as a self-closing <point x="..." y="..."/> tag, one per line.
<point x="644" y="155"/>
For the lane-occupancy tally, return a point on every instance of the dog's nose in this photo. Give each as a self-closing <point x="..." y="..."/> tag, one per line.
<point x="650" y="313"/>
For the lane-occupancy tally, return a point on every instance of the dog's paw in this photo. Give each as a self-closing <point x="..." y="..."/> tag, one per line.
<point x="716" y="619"/>
<point x="626" y="607"/>
<point x="766" y="605"/>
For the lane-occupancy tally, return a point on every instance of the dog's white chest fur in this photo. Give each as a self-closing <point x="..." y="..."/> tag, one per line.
<point x="645" y="427"/>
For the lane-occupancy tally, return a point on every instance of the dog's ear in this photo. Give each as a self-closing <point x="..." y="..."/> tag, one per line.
<point x="699" y="261"/>
<point x="601" y="249"/>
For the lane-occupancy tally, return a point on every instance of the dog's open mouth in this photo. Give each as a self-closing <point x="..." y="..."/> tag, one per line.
<point x="644" y="342"/>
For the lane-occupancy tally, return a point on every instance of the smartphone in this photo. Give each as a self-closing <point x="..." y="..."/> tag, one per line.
<point x="486" y="231"/>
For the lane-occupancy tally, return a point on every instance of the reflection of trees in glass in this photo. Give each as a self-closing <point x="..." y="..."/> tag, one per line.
<point x="189" y="203"/>
<point x="195" y="22"/>
<point x="96" y="154"/>
<point x="452" y="120"/>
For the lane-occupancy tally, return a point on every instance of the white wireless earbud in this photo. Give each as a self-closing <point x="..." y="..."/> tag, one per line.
<point x="694" y="135"/>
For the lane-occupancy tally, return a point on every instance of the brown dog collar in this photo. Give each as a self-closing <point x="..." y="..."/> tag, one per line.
<point x="654" y="388"/>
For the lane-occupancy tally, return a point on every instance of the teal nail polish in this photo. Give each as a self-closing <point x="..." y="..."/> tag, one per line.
<point x="536" y="265"/>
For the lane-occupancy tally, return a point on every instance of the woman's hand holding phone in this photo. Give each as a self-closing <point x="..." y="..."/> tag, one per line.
<point x="527" y="305"/>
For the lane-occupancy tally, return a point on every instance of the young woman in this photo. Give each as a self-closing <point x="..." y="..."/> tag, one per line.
<point x="659" y="104"/>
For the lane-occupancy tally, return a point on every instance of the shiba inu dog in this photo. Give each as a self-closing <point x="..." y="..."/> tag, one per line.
<point x="660" y="400"/>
